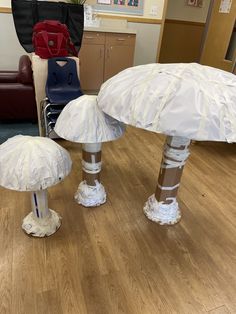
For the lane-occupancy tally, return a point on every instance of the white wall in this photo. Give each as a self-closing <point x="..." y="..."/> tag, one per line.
<point x="147" y="8"/>
<point x="178" y="10"/>
<point x="11" y="50"/>
<point x="5" y="3"/>
<point x="146" y="42"/>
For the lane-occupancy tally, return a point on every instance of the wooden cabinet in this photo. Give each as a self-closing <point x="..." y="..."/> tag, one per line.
<point x="103" y="55"/>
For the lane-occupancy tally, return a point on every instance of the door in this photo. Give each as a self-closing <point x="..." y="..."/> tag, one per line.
<point x="220" y="36"/>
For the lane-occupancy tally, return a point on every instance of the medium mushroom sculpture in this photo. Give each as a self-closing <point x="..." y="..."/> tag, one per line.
<point x="183" y="101"/>
<point x="81" y="121"/>
<point x="33" y="164"/>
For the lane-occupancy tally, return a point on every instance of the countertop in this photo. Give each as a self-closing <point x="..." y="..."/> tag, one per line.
<point x="110" y="30"/>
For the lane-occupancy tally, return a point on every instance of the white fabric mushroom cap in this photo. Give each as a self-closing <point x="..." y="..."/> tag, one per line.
<point x="30" y="163"/>
<point x="188" y="100"/>
<point x="82" y="121"/>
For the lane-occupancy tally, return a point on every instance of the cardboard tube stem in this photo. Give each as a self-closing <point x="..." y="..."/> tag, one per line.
<point x="174" y="157"/>
<point x="39" y="203"/>
<point x="91" y="163"/>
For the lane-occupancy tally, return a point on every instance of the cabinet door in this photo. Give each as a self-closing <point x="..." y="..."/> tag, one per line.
<point x="91" y="66"/>
<point x="117" y="59"/>
<point x="119" y="53"/>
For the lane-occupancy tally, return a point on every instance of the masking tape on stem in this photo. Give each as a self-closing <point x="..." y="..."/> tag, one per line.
<point x="168" y="188"/>
<point x="91" y="168"/>
<point x="175" y="152"/>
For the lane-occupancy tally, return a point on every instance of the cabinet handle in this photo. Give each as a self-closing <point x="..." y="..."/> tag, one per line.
<point x="89" y="37"/>
<point x="100" y="53"/>
<point x="121" y="39"/>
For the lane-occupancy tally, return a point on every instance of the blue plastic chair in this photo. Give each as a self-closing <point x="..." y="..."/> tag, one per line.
<point x="62" y="84"/>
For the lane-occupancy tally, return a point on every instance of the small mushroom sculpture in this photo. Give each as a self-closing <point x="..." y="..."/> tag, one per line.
<point x="81" y="121"/>
<point x="183" y="101"/>
<point x="33" y="164"/>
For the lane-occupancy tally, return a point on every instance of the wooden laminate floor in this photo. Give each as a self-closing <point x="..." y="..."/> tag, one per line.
<point x="111" y="259"/>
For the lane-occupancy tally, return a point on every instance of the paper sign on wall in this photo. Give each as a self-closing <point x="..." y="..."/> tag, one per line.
<point x="89" y="17"/>
<point x="225" y="6"/>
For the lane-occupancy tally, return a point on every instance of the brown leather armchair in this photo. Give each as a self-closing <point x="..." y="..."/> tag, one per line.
<point x="17" y="96"/>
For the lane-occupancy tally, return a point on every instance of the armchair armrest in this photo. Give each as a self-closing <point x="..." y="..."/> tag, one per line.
<point x="8" y="76"/>
<point x="25" y="74"/>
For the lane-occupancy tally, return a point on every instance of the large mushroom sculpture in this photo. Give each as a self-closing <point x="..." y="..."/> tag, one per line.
<point x="34" y="164"/>
<point x="182" y="101"/>
<point x="81" y="121"/>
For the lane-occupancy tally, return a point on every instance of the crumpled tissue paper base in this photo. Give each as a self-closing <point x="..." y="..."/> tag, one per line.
<point x="90" y="196"/>
<point x="163" y="214"/>
<point x="41" y="227"/>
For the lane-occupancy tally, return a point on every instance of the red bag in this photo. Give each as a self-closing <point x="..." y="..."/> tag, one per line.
<point x="52" y="39"/>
